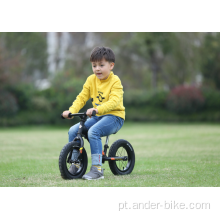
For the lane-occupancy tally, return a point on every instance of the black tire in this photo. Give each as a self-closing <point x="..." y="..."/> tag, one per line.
<point x="121" y="148"/>
<point x="64" y="163"/>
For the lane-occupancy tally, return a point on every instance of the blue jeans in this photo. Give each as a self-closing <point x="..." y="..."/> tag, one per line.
<point x="97" y="127"/>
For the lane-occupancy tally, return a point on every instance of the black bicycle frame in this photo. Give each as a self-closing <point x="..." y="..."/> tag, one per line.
<point x="82" y="132"/>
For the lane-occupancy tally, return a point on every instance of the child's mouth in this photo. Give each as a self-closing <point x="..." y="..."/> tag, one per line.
<point x="98" y="74"/>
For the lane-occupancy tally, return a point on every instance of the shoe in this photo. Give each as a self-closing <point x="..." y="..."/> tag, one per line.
<point x="73" y="169"/>
<point x="94" y="174"/>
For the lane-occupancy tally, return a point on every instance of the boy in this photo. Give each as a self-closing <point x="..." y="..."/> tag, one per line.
<point x="106" y="92"/>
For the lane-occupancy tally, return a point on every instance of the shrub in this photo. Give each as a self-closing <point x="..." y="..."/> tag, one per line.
<point x="8" y="103"/>
<point x="140" y="98"/>
<point x="185" y="100"/>
<point x="23" y="94"/>
<point x="157" y="99"/>
<point x="212" y="98"/>
<point x="41" y="104"/>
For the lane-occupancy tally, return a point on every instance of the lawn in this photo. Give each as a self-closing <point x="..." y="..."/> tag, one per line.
<point x="172" y="155"/>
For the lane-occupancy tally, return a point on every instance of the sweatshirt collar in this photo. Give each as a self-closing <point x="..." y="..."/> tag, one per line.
<point x="109" y="76"/>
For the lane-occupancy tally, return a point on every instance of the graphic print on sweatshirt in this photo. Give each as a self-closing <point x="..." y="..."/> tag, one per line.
<point x="100" y="98"/>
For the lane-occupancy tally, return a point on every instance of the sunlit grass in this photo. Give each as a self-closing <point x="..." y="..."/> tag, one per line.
<point x="166" y="155"/>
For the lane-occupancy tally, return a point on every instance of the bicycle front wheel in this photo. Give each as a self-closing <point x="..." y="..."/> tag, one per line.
<point x="65" y="161"/>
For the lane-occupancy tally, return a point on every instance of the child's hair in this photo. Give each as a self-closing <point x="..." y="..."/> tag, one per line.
<point x="98" y="53"/>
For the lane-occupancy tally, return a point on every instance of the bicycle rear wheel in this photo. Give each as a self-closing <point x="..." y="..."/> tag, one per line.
<point x="65" y="161"/>
<point x="121" y="148"/>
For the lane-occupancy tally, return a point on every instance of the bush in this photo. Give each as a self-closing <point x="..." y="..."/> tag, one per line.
<point x="157" y="99"/>
<point x="40" y="103"/>
<point x="140" y="98"/>
<point x="8" y="103"/>
<point x="212" y="98"/>
<point x="23" y="94"/>
<point x="185" y="100"/>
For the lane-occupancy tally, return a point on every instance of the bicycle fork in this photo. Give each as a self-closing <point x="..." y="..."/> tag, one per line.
<point x="104" y="153"/>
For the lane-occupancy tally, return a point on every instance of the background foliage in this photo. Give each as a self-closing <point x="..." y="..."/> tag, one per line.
<point x="166" y="76"/>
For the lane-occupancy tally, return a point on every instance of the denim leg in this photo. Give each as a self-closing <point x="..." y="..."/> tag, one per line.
<point x="106" y="125"/>
<point x="72" y="134"/>
<point x="74" y="129"/>
<point x="95" y="145"/>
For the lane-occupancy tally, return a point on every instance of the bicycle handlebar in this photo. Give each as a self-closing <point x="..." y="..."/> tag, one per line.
<point x="70" y="115"/>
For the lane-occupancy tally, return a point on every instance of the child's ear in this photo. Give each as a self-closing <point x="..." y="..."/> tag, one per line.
<point x="112" y="65"/>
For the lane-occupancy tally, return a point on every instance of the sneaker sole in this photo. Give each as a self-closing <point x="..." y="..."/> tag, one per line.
<point x="102" y="177"/>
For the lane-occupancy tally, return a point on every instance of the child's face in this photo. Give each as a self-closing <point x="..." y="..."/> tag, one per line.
<point x="102" y="68"/>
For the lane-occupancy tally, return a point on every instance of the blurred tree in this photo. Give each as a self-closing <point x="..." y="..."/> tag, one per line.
<point x="172" y="56"/>
<point x="10" y="66"/>
<point x="78" y="53"/>
<point x="23" y="59"/>
<point x="182" y="62"/>
<point x="210" y="65"/>
<point x="149" y="46"/>
<point x="23" y="56"/>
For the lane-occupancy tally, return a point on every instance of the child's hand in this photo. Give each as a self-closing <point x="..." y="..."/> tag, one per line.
<point x="65" y="114"/>
<point x="90" y="110"/>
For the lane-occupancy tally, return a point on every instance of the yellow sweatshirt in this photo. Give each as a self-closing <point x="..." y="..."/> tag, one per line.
<point x="106" y="96"/>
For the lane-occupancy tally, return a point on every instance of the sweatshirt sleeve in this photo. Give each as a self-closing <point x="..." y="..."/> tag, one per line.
<point x="82" y="98"/>
<point x="115" y="97"/>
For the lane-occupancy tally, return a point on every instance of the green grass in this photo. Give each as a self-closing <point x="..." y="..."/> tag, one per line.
<point x="170" y="155"/>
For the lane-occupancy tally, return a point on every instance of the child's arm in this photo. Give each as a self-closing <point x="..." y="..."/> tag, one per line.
<point x="82" y="98"/>
<point x="115" y="98"/>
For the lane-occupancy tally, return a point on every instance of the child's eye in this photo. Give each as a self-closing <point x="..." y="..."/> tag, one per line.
<point x="102" y="65"/>
<point x="94" y="66"/>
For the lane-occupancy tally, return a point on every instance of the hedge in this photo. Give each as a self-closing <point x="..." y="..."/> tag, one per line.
<point x="45" y="107"/>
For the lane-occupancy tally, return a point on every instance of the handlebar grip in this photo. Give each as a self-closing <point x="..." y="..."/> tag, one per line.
<point x="93" y="113"/>
<point x="69" y="116"/>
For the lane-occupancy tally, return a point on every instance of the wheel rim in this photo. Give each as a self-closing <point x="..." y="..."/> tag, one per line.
<point x="68" y="164"/>
<point x="121" y="165"/>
